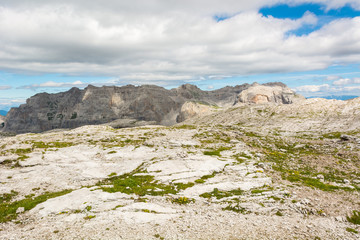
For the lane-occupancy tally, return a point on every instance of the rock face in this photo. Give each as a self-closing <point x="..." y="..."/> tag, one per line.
<point x="192" y="109"/>
<point x="2" y="121"/>
<point x="99" y="105"/>
<point x="268" y="93"/>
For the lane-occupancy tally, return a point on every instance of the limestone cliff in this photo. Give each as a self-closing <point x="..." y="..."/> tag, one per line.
<point x="268" y="93"/>
<point x="99" y="105"/>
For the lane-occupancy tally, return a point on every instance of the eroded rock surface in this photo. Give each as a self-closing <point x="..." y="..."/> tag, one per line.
<point x="227" y="175"/>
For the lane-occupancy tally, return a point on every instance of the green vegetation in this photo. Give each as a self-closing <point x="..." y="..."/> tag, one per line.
<point x="189" y="127"/>
<point x="89" y="217"/>
<point x="158" y="236"/>
<point x="182" y="200"/>
<point x="140" y="185"/>
<point x="279" y="213"/>
<point x="355" y="218"/>
<point x="74" y="115"/>
<point x="22" y="151"/>
<point x="8" y="209"/>
<point x="236" y="208"/>
<point x="222" y="194"/>
<point x="205" y="177"/>
<point x="315" y="183"/>
<point x="333" y="135"/>
<point x="216" y="152"/>
<point x="112" y="174"/>
<point x="7" y="197"/>
<point x="352" y="230"/>
<point x="148" y="211"/>
<point x="52" y="144"/>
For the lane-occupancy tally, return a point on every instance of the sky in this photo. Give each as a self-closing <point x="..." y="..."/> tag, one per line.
<point x="313" y="46"/>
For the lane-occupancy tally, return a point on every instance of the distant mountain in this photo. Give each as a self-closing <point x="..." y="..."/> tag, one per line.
<point x="3" y="112"/>
<point x="100" y="105"/>
<point x="341" y="97"/>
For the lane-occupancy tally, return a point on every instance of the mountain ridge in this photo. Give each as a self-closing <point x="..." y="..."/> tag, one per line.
<point x="101" y="105"/>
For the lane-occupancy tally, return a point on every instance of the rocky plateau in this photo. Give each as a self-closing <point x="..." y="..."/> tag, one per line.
<point x="260" y="163"/>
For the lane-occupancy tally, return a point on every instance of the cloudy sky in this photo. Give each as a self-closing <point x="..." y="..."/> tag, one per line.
<point x="311" y="45"/>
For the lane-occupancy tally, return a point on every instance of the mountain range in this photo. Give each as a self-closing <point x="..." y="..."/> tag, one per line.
<point x="134" y="105"/>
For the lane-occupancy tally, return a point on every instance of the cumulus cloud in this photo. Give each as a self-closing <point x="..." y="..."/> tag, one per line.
<point x="313" y="88"/>
<point x="5" y="87"/>
<point x="346" y="81"/>
<point x="51" y="84"/>
<point x="7" y="103"/>
<point x="150" y="40"/>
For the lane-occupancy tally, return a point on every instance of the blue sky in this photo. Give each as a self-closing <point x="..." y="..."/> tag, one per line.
<point x="311" y="45"/>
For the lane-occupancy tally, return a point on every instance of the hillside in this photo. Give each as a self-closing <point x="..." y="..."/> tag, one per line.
<point x="252" y="171"/>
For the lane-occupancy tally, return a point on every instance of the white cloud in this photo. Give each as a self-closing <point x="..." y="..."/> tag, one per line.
<point x="313" y="88"/>
<point x="5" y="87"/>
<point x="346" y="81"/>
<point x="7" y="103"/>
<point x="51" y="84"/>
<point x="342" y="81"/>
<point x="152" y="40"/>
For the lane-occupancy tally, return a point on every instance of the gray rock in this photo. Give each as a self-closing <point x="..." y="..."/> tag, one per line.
<point x="20" y="210"/>
<point x="340" y="218"/>
<point x="320" y="177"/>
<point x="346" y="181"/>
<point x="356" y="181"/>
<point x="345" y="137"/>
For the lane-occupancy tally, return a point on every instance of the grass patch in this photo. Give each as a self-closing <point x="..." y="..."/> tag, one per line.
<point x="185" y="126"/>
<point x="222" y="194"/>
<point x="315" y="183"/>
<point x="352" y="230"/>
<point x="355" y="218"/>
<point x="52" y="144"/>
<point x="6" y="197"/>
<point x="205" y="177"/>
<point x="216" y="152"/>
<point x="140" y="185"/>
<point x="89" y="217"/>
<point x="279" y="213"/>
<point x="8" y="210"/>
<point x="182" y="200"/>
<point x="236" y="208"/>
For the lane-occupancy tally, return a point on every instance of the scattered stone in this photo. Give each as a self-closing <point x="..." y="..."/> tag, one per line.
<point x="345" y="137"/>
<point x="356" y="181"/>
<point x="320" y="177"/>
<point x="346" y="181"/>
<point x="20" y="210"/>
<point x="340" y="218"/>
<point x="261" y="165"/>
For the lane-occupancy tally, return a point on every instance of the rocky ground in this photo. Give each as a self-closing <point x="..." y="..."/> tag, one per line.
<point x="271" y="174"/>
